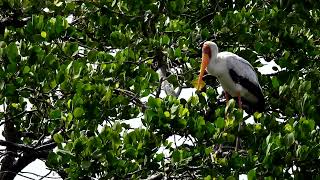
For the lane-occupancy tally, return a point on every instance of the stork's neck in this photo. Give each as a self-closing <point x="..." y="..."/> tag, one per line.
<point x="214" y="67"/>
<point x="214" y="54"/>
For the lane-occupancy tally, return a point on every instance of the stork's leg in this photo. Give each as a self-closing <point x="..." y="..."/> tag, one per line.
<point x="239" y="127"/>
<point x="239" y="100"/>
<point x="227" y="96"/>
<point x="225" y="115"/>
<point x="227" y="100"/>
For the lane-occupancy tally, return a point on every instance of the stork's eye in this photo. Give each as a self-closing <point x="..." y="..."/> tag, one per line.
<point x="206" y="50"/>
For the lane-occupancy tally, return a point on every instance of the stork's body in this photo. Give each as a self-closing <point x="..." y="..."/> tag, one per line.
<point x="236" y="75"/>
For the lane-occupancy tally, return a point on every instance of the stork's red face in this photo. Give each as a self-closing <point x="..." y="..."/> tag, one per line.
<point x="206" y="55"/>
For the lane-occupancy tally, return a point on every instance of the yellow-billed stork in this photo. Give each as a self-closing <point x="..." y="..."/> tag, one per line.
<point x="236" y="76"/>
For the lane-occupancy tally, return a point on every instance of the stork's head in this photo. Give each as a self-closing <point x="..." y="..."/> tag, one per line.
<point x="209" y="52"/>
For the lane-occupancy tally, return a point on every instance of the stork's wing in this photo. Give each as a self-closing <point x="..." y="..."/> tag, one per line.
<point x="240" y="66"/>
<point x="242" y="72"/>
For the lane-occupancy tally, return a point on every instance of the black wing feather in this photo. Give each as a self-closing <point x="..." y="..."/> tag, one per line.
<point x="254" y="89"/>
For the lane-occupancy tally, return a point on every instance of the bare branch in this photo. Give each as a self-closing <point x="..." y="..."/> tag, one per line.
<point x="125" y="62"/>
<point x="48" y="146"/>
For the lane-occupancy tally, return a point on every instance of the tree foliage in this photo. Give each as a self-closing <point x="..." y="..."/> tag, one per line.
<point x="72" y="72"/>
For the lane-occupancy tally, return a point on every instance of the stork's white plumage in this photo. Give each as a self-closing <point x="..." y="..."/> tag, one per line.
<point x="236" y="75"/>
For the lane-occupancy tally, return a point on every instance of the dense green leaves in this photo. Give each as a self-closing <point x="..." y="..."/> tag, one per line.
<point x="73" y="72"/>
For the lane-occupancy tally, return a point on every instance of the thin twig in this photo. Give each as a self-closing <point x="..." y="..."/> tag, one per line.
<point x="202" y="18"/>
<point x="159" y="88"/>
<point x="125" y="62"/>
<point x="133" y="96"/>
<point x="179" y="91"/>
<point x="45" y="176"/>
<point x="46" y="146"/>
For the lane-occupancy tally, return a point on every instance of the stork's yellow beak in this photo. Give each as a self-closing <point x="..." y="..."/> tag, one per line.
<point x="204" y="65"/>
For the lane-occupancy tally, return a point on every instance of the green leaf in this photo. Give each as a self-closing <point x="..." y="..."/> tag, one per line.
<point x="217" y="21"/>
<point x="64" y="153"/>
<point x="180" y="4"/>
<point x="78" y="112"/>
<point x="12" y="53"/>
<point x="73" y="48"/>
<point x="59" y="24"/>
<point x="230" y="105"/>
<point x="288" y="128"/>
<point x="307" y="125"/>
<point x="43" y="34"/>
<point x="302" y="152"/>
<point x="252" y="174"/>
<point x="68" y="120"/>
<point x="26" y="69"/>
<point x="282" y="89"/>
<point x="166" y="114"/>
<point x="159" y="157"/>
<point x="53" y="84"/>
<point x="268" y="178"/>
<point x="173" y="5"/>
<point x="78" y="145"/>
<point x="177" y="52"/>
<point x="85" y="164"/>
<point x="58" y="138"/>
<point x="15" y="105"/>
<point x="219" y="122"/>
<point x="53" y="159"/>
<point x="92" y="55"/>
<point x="165" y="40"/>
<point x="55" y="114"/>
<point x="289" y="139"/>
<point x="172" y="79"/>
<point x="183" y="112"/>
<point x="183" y="122"/>
<point x="108" y="95"/>
<point x="286" y="54"/>
<point x="154" y="102"/>
<point x="12" y="68"/>
<point x="205" y="33"/>
<point x="201" y="121"/>
<point x="231" y="178"/>
<point x="257" y="115"/>
<point x="275" y="82"/>
<point x="174" y="108"/>
<point x="176" y="156"/>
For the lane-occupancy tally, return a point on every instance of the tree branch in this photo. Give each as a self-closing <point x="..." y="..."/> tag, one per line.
<point x="159" y="88"/>
<point x="16" y="116"/>
<point x="133" y="96"/>
<point x="20" y="147"/>
<point x="12" y="21"/>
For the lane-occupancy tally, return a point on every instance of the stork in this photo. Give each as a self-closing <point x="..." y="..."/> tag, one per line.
<point x="236" y="76"/>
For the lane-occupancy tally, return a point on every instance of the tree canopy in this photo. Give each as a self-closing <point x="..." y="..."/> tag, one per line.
<point x="73" y="71"/>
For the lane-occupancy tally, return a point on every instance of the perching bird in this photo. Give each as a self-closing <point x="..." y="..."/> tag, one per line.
<point x="236" y="76"/>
